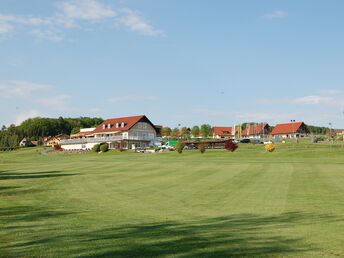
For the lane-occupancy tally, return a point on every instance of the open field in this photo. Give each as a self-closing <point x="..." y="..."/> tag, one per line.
<point x="246" y="203"/>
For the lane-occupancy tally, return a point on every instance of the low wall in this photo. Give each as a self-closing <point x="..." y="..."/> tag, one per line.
<point x="78" y="146"/>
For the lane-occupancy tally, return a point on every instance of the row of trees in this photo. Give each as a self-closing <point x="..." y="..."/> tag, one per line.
<point x="36" y="128"/>
<point x="205" y="130"/>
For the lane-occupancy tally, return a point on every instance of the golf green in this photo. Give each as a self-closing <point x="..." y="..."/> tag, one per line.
<point x="218" y="204"/>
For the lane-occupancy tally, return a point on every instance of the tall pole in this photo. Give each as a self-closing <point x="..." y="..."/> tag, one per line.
<point x="292" y="126"/>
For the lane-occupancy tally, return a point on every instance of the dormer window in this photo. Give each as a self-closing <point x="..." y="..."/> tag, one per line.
<point x="104" y="126"/>
<point x="117" y="125"/>
<point x="122" y="124"/>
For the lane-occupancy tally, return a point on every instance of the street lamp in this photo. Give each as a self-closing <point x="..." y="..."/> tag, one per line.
<point x="292" y="125"/>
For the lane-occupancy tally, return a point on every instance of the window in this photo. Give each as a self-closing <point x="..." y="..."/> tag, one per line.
<point x="139" y="125"/>
<point x="144" y="126"/>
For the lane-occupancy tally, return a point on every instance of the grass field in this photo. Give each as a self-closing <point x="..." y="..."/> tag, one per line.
<point x="219" y="204"/>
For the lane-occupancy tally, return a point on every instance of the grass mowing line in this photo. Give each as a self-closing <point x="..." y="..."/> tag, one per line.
<point x="106" y="212"/>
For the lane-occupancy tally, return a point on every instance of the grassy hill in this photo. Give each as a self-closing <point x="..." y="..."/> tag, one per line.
<point x="246" y="203"/>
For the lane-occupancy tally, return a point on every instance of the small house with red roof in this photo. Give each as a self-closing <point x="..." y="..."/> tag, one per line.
<point x="290" y="130"/>
<point x="25" y="142"/>
<point x="124" y="132"/>
<point x="256" y="131"/>
<point x="221" y="132"/>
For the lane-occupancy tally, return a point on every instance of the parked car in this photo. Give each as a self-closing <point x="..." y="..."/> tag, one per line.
<point x="267" y="142"/>
<point x="255" y="141"/>
<point x="245" y="141"/>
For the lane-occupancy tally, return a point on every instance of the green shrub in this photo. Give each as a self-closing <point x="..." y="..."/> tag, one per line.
<point x="104" y="147"/>
<point x="96" y="148"/>
<point x="180" y="147"/>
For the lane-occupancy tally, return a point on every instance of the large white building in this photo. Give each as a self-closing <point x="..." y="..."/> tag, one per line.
<point x="119" y="133"/>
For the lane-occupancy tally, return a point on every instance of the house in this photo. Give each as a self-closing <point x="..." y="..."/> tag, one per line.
<point x="23" y="143"/>
<point x="290" y="130"/>
<point x="256" y="131"/>
<point x="339" y="132"/>
<point x="119" y="133"/>
<point x="220" y="132"/>
<point x="184" y="133"/>
<point x="55" y="140"/>
<point x="83" y="133"/>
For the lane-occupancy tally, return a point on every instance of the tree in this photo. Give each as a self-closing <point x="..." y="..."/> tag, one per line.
<point x="201" y="147"/>
<point x="166" y="131"/>
<point x="175" y="132"/>
<point x="75" y="130"/>
<point x="231" y="146"/>
<point x="195" y="130"/>
<point x="180" y="147"/>
<point x="206" y="130"/>
<point x="104" y="147"/>
<point x="96" y="148"/>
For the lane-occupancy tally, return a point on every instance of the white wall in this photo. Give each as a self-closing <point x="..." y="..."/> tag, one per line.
<point x="78" y="146"/>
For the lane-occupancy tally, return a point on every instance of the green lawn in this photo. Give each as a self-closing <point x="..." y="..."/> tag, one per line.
<point x="219" y="204"/>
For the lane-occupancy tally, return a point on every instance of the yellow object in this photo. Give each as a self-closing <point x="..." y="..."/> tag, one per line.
<point x="270" y="147"/>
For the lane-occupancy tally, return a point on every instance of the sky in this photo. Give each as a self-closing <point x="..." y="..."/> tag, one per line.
<point x="220" y="62"/>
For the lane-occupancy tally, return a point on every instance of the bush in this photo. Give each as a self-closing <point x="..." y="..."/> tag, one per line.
<point x="231" y="146"/>
<point x="57" y="147"/>
<point x="180" y="147"/>
<point x="96" y="148"/>
<point x="201" y="147"/>
<point x="104" y="147"/>
<point x="270" y="147"/>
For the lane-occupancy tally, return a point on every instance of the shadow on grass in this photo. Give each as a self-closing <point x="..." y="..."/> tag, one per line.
<point x="27" y="214"/>
<point x="242" y="235"/>
<point x="8" y="175"/>
<point x="237" y="235"/>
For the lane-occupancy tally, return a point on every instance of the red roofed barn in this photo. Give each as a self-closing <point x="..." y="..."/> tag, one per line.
<point x="224" y="132"/>
<point x="290" y="130"/>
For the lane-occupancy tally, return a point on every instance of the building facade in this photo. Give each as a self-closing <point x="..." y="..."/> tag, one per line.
<point x="119" y="133"/>
<point x="290" y="130"/>
<point x="256" y="131"/>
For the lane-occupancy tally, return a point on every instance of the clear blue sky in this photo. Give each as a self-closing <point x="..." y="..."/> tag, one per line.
<point x="179" y="62"/>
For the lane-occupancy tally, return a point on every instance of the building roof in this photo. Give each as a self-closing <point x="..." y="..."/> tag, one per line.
<point x="254" y="129"/>
<point x="223" y="130"/>
<point x="200" y="142"/>
<point x="128" y="123"/>
<point x="287" y="128"/>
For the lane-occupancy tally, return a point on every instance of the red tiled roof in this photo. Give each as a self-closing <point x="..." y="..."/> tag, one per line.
<point x="87" y="132"/>
<point x="223" y="131"/>
<point x="287" y="128"/>
<point x="130" y="122"/>
<point x="250" y="129"/>
<point x="200" y="142"/>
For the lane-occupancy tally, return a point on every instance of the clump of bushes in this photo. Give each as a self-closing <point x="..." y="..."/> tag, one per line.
<point x="180" y="147"/>
<point x="57" y="147"/>
<point x="96" y="148"/>
<point x="201" y="147"/>
<point x="231" y="146"/>
<point x="104" y="147"/>
<point x="270" y="147"/>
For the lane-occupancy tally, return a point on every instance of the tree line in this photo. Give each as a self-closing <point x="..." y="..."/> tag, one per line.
<point x="36" y="128"/>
